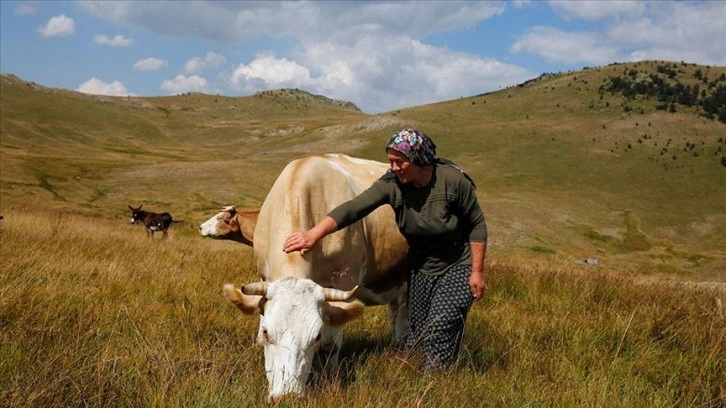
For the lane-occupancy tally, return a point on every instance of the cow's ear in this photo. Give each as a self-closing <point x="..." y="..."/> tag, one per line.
<point x="233" y="224"/>
<point x="248" y="304"/>
<point x="339" y="313"/>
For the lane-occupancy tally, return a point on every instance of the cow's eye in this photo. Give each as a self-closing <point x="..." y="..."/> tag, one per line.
<point x="265" y="336"/>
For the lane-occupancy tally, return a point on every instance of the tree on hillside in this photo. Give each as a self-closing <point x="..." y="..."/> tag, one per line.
<point x="632" y="84"/>
<point x="714" y="105"/>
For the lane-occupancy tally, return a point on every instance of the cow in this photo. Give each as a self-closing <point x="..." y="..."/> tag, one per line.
<point x="152" y="221"/>
<point x="231" y="224"/>
<point x="304" y="301"/>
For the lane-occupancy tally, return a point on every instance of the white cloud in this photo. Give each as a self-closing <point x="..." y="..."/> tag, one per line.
<point x="308" y="21"/>
<point x="117" y="40"/>
<point x="569" y="47"/>
<point x="521" y="3"/>
<point x="419" y="73"/>
<point x="365" y="52"/>
<point x="676" y="32"/>
<point x="183" y="84"/>
<point x="150" y="64"/>
<point x="375" y="53"/>
<point x="58" y="26"/>
<point x="267" y="71"/>
<point x="598" y="9"/>
<point x="366" y="74"/>
<point x="25" y="8"/>
<point x="632" y="31"/>
<point x="97" y="87"/>
<point x="197" y="64"/>
<point x="369" y="53"/>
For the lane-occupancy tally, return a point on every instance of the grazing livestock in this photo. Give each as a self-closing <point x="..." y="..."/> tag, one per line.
<point x="299" y="300"/>
<point x="152" y="221"/>
<point x="231" y="224"/>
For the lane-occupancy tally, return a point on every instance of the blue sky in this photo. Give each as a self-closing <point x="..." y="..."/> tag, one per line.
<point x="381" y="56"/>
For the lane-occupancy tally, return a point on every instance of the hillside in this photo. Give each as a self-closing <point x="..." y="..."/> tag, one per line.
<point x="597" y="164"/>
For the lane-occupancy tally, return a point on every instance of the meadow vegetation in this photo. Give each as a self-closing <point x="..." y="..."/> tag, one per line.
<point x="606" y="264"/>
<point x="92" y="313"/>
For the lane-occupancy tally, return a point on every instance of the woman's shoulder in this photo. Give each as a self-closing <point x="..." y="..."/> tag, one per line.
<point x="452" y="172"/>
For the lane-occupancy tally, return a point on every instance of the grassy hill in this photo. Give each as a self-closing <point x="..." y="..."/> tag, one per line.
<point x="568" y="168"/>
<point x="94" y="314"/>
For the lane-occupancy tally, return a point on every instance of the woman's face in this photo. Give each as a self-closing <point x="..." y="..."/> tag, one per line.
<point x="404" y="170"/>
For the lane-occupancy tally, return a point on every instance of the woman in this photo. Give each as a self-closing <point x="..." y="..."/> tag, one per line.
<point x="438" y="213"/>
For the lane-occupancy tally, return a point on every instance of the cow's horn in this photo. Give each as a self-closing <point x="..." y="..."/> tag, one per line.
<point x="228" y="208"/>
<point x="337" y="294"/>
<point x="255" y="288"/>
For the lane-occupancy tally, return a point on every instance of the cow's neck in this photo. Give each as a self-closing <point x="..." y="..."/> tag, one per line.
<point x="240" y="231"/>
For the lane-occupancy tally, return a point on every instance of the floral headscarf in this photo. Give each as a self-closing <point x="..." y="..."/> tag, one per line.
<point x="416" y="146"/>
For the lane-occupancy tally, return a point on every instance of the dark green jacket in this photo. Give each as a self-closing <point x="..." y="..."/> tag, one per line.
<point x="438" y="221"/>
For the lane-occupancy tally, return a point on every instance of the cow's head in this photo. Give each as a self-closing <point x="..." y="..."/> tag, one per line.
<point x="135" y="213"/>
<point x="293" y="316"/>
<point x="231" y="224"/>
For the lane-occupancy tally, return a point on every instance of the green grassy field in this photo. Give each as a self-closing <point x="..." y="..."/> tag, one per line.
<point x="564" y="171"/>
<point x="94" y="314"/>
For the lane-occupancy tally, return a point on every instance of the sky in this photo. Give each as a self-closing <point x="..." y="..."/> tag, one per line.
<point x="380" y="55"/>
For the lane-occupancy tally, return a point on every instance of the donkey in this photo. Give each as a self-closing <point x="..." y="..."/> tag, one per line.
<point x="153" y="221"/>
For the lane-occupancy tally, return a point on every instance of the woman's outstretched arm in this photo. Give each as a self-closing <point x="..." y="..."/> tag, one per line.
<point x="304" y="241"/>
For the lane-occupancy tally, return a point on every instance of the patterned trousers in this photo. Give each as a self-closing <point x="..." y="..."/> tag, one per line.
<point x="438" y="306"/>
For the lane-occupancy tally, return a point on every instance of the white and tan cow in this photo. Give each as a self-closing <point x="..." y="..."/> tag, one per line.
<point x="231" y="224"/>
<point x="305" y="300"/>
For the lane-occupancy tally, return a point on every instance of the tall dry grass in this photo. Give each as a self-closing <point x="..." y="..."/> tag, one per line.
<point x="92" y="313"/>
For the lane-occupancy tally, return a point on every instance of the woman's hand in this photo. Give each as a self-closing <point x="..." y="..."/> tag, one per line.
<point x="477" y="285"/>
<point x="476" y="281"/>
<point x="304" y="241"/>
<point x="299" y="241"/>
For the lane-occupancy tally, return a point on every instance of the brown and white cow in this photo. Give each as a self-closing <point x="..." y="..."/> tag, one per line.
<point x="231" y="224"/>
<point x="305" y="300"/>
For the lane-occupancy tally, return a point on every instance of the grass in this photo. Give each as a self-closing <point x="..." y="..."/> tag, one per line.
<point x="92" y="313"/>
<point x="95" y="314"/>
<point x="556" y="163"/>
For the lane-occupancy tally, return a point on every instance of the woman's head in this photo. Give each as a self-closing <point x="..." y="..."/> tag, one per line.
<point x="418" y="148"/>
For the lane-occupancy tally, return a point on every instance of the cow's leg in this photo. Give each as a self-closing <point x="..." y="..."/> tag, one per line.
<point x="398" y="316"/>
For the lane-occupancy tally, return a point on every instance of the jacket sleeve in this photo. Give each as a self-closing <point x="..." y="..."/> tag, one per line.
<point x="471" y="211"/>
<point x="355" y="209"/>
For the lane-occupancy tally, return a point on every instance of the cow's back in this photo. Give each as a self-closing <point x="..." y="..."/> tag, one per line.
<point x="370" y="253"/>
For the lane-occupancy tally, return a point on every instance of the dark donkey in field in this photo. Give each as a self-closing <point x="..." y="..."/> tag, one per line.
<point x="153" y="221"/>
